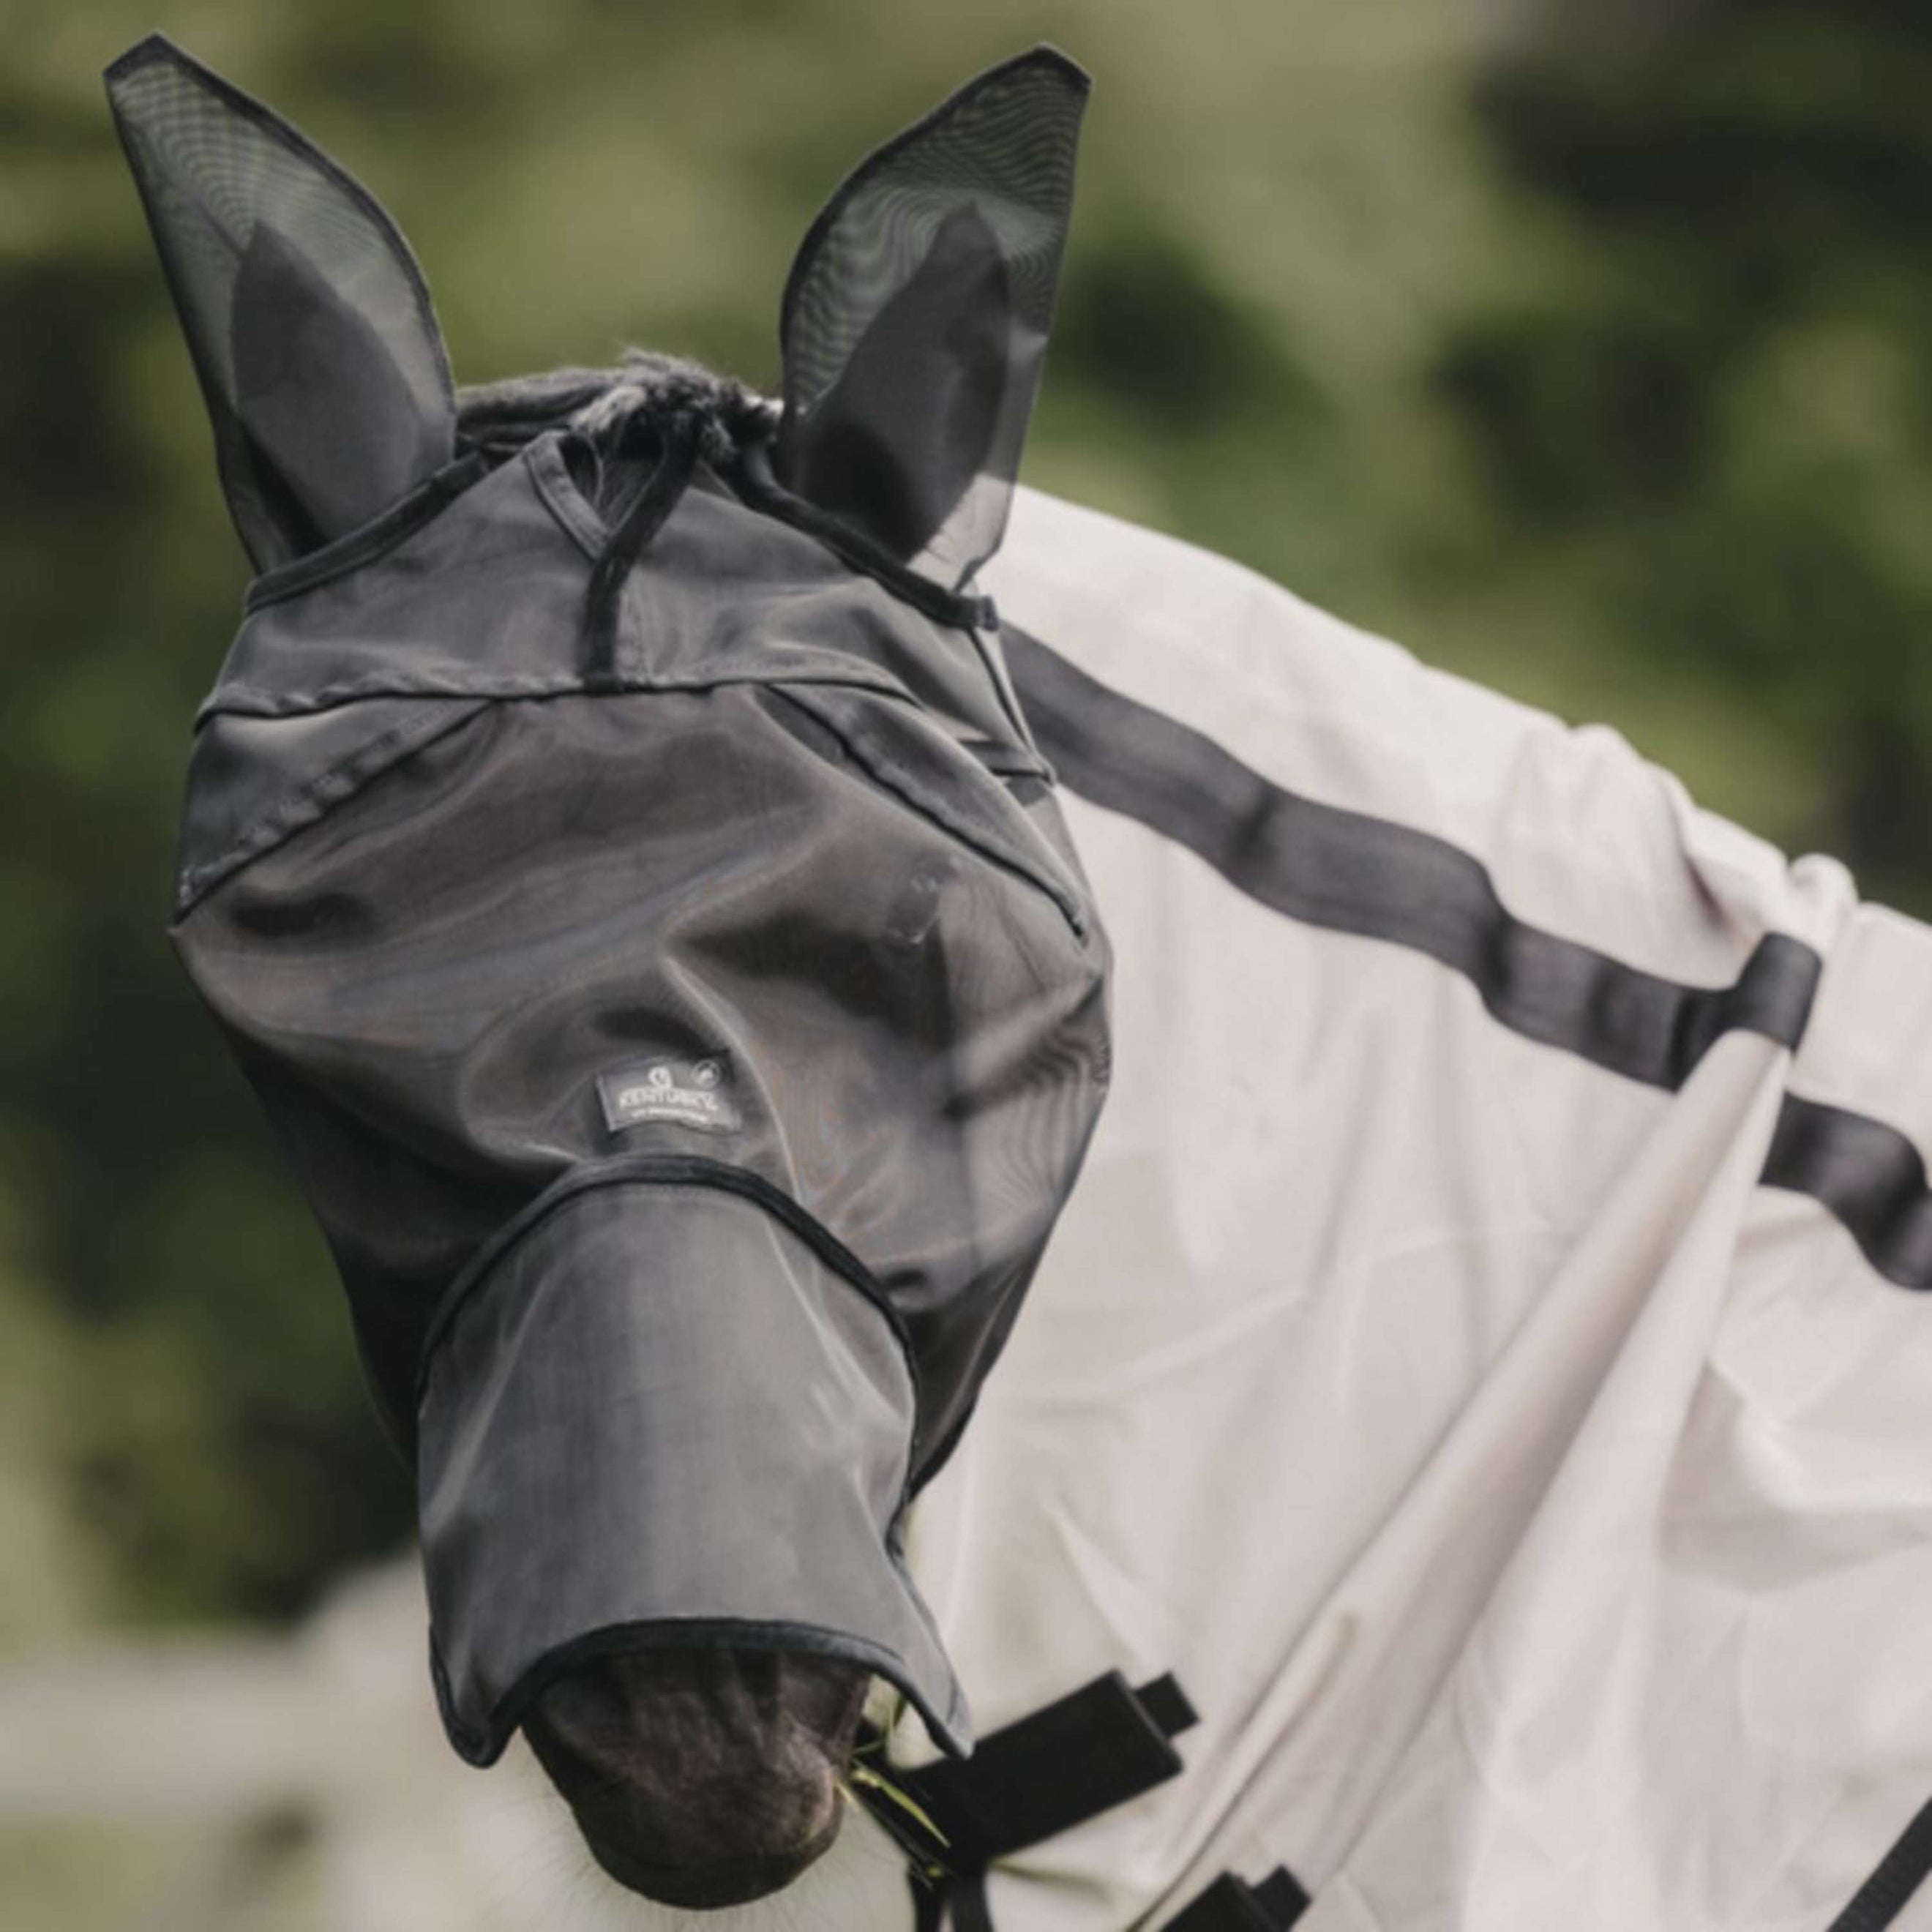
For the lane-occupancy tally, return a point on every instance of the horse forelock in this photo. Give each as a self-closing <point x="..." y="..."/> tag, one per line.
<point x="643" y="393"/>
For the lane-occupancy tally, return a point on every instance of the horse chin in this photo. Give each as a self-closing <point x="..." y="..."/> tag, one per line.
<point x="739" y="1881"/>
<point x="701" y="1778"/>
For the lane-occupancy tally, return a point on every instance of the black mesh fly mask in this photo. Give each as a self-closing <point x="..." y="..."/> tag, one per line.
<point x="613" y="851"/>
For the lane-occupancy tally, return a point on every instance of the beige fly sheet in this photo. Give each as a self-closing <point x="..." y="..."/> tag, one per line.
<point x="1486" y="1360"/>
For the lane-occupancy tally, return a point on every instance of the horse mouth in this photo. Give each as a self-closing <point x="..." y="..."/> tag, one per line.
<point x="709" y="1887"/>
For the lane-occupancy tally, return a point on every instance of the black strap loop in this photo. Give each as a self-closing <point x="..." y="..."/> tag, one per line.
<point x="1097" y="1747"/>
<point x="1231" y="1904"/>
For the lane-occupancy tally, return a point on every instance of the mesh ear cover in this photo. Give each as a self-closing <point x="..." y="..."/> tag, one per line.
<point x="915" y="320"/>
<point x="307" y="318"/>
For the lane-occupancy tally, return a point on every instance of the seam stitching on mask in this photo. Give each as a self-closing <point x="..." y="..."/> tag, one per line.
<point x="245" y="701"/>
<point x="309" y="803"/>
<point x="688" y="1170"/>
<point x="483" y="1744"/>
<point x="415" y="510"/>
<point x="887" y="772"/>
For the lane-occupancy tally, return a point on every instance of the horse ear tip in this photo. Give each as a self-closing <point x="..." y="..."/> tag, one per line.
<point x="1045" y="55"/>
<point x="150" y="50"/>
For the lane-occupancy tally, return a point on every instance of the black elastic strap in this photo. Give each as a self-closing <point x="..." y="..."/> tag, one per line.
<point x="1347" y="871"/>
<point x="970" y="1908"/>
<point x="1096" y="1748"/>
<point x="1082" y="1755"/>
<point x="1901" y="1872"/>
<point x="1867" y="1175"/>
<point x="635" y="529"/>
<point x="1231" y="1904"/>
<point x="755" y="481"/>
<point x="928" y="1905"/>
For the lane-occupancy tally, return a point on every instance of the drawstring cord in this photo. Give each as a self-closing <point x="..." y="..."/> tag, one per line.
<point x="759" y="485"/>
<point x="681" y="439"/>
<point x="604" y="600"/>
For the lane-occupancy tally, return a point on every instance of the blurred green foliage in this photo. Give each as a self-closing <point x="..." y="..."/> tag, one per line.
<point x="1585" y="349"/>
<point x="1721" y="408"/>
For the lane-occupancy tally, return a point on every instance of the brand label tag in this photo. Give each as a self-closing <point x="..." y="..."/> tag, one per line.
<point x="693" y="1093"/>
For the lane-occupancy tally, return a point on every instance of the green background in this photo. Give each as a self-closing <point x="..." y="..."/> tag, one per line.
<point x="1584" y="348"/>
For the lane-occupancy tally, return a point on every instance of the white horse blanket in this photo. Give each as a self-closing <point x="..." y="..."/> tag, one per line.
<point x="1481" y="1359"/>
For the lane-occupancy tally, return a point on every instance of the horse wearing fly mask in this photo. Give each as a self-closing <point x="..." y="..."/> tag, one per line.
<point x="614" y="851"/>
<point x="1463" y="1462"/>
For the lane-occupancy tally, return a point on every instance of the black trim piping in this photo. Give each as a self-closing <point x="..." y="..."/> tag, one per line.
<point x="296" y="810"/>
<point x="664" y="1170"/>
<point x="935" y="807"/>
<point x="483" y="1747"/>
<point x="752" y="476"/>
<point x="247" y="700"/>
<point x="363" y="544"/>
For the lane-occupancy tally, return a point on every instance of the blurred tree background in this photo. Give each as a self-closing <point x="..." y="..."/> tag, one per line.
<point x="1586" y="347"/>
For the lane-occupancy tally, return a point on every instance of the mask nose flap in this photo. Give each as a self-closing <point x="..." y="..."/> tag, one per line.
<point x="657" y="1416"/>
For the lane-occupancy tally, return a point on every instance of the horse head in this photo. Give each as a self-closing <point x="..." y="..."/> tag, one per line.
<point x="615" y="853"/>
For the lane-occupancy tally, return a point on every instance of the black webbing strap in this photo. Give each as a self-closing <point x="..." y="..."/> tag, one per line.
<point x="1089" y="1751"/>
<point x="1231" y="1904"/>
<point x="1901" y="1872"/>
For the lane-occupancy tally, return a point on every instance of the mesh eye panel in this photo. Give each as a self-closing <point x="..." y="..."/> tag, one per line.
<point x="309" y="322"/>
<point x="1003" y="148"/>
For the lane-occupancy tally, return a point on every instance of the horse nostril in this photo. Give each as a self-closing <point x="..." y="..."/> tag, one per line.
<point x="701" y="1777"/>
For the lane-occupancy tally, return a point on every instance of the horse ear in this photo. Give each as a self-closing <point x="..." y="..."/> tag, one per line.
<point x="915" y="319"/>
<point x="307" y="316"/>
